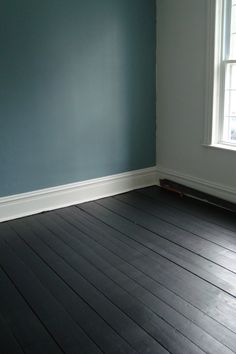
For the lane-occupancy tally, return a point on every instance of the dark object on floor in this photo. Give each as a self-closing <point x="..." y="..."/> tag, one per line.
<point x="182" y="190"/>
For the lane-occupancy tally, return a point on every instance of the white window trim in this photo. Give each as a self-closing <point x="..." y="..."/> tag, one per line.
<point x="214" y="72"/>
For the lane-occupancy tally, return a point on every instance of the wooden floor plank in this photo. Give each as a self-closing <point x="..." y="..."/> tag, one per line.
<point x="47" y="308"/>
<point x="27" y="329"/>
<point x="147" y="319"/>
<point x="191" y="206"/>
<point x="52" y="251"/>
<point x="113" y="241"/>
<point x="100" y="332"/>
<point x="127" y="249"/>
<point x="142" y="272"/>
<point x="191" y="223"/>
<point x="194" y="289"/>
<point x="188" y="241"/>
<point x="126" y="218"/>
<point x="8" y="342"/>
<point x="104" y="260"/>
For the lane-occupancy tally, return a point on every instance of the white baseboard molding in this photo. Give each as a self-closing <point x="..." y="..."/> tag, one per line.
<point x="26" y="204"/>
<point x="203" y="185"/>
<point x="35" y="202"/>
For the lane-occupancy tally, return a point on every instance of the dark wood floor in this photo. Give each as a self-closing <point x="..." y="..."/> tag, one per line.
<point x="142" y="272"/>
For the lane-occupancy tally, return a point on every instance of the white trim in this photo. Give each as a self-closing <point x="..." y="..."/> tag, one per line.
<point x="214" y="71"/>
<point x="200" y="184"/>
<point x="225" y="146"/>
<point x="216" y="64"/>
<point x="210" y="59"/>
<point x="156" y="80"/>
<point x="25" y="204"/>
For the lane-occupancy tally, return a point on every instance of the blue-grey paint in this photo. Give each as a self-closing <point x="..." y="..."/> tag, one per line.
<point x="77" y="90"/>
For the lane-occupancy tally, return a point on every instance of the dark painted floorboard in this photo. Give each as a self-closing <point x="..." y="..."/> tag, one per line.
<point x="9" y="343"/>
<point x="142" y="272"/>
<point x="188" y="222"/>
<point x="190" y="206"/>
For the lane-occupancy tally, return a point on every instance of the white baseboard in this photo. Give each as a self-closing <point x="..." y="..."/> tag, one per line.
<point x="25" y="204"/>
<point x="203" y="185"/>
<point x="35" y="202"/>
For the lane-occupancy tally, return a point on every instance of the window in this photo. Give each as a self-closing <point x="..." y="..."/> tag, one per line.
<point x="221" y="85"/>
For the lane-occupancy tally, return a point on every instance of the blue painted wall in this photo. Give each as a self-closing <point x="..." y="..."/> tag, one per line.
<point x="77" y="90"/>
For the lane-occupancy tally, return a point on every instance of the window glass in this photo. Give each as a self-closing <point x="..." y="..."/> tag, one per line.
<point x="233" y="32"/>
<point x="229" y="123"/>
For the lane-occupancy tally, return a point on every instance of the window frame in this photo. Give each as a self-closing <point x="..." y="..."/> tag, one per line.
<point x="217" y="10"/>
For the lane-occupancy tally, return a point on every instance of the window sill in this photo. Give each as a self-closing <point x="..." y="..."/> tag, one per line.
<point x="221" y="147"/>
